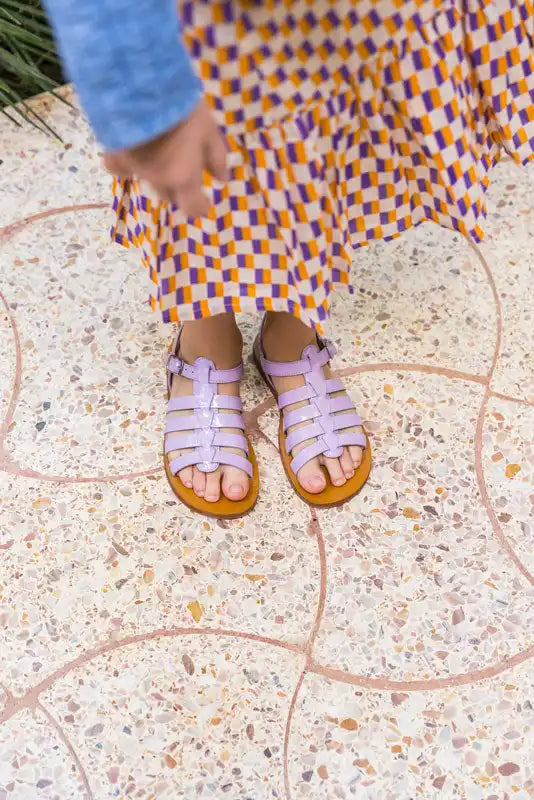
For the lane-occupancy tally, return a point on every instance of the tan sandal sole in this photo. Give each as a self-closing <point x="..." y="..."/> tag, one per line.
<point x="331" y="495"/>
<point x="223" y="508"/>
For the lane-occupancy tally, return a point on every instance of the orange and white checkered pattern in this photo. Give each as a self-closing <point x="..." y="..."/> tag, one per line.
<point x="347" y="121"/>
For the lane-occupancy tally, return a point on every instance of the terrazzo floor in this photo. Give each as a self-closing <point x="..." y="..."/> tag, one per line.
<point x="379" y="651"/>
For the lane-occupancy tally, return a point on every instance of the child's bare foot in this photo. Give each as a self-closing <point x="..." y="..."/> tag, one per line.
<point x="284" y="338"/>
<point x="218" y="339"/>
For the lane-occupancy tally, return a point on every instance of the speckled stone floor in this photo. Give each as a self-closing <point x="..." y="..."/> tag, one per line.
<point x="380" y="651"/>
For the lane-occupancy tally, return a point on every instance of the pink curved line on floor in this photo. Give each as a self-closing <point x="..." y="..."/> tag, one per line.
<point x="428" y="369"/>
<point x="511" y="398"/>
<point x="479" y="431"/>
<point x="14" y="469"/>
<point x="6" y="463"/>
<point x="251" y="417"/>
<point x="316" y="531"/>
<point x="14" y="227"/>
<point x="498" y="310"/>
<point x="31" y="697"/>
<point x="15" y="391"/>
<point x="482" y="488"/>
<point x="427" y="684"/>
<point x="287" y="732"/>
<point x="68" y="744"/>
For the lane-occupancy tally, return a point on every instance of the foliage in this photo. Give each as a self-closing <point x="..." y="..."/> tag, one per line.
<point x="28" y="60"/>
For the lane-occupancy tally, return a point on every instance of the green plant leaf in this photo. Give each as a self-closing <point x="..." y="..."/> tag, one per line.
<point x="29" y="64"/>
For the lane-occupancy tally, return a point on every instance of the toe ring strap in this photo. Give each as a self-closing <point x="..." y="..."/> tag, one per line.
<point x="352" y="440"/>
<point x="320" y="448"/>
<point x="221" y="456"/>
<point x="305" y="455"/>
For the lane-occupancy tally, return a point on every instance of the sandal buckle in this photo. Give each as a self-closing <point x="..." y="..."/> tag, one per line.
<point x="171" y="361"/>
<point x="331" y="349"/>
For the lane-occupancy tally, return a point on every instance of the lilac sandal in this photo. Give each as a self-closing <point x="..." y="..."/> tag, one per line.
<point x="200" y="433"/>
<point x="326" y="429"/>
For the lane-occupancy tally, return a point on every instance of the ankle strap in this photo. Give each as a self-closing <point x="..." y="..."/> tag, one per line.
<point x="178" y="366"/>
<point x="311" y="357"/>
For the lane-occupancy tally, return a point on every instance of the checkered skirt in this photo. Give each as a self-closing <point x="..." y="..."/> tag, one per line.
<point x="347" y="121"/>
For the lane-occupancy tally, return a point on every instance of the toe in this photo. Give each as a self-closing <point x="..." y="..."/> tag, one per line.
<point x="311" y="477"/>
<point x="234" y="483"/>
<point x="186" y="476"/>
<point x="199" y="482"/>
<point x="213" y="486"/>
<point x="356" y="454"/>
<point x="337" y="476"/>
<point x="347" y="464"/>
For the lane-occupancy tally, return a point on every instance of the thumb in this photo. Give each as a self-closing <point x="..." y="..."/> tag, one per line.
<point x="215" y="155"/>
<point x="117" y="164"/>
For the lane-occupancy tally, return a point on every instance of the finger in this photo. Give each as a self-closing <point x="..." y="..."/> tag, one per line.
<point x="183" y="185"/>
<point x="216" y="155"/>
<point x="165" y="196"/>
<point x="117" y="165"/>
<point x="191" y="201"/>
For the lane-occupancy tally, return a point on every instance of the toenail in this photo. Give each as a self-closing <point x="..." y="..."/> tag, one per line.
<point x="188" y="484"/>
<point x="235" y="489"/>
<point x="338" y="482"/>
<point x="211" y="498"/>
<point x="317" y="481"/>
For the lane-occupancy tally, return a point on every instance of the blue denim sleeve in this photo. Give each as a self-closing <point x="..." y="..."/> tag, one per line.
<point x="131" y="71"/>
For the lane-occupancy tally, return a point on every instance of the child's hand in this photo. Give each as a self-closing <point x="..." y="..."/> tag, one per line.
<point x="173" y="163"/>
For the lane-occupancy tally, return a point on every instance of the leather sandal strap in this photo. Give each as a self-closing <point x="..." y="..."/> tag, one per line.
<point x="234" y="460"/>
<point x="192" y="439"/>
<point x="348" y="420"/>
<point x="299" y="415"/>
<point x="341" y="403"/>
<point x="298" y="395"/>
<point x="283" y="369"/>
<point x="300" y="435"/>
<point x="193" y="422"/>
<point x="194" y="459"/>
<point x="352" y="440"/>
<point x="187" y="441"/>
<point x="177" y="366"/>
<point x="189" y="402"/>
<point x="306" y="454"/>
